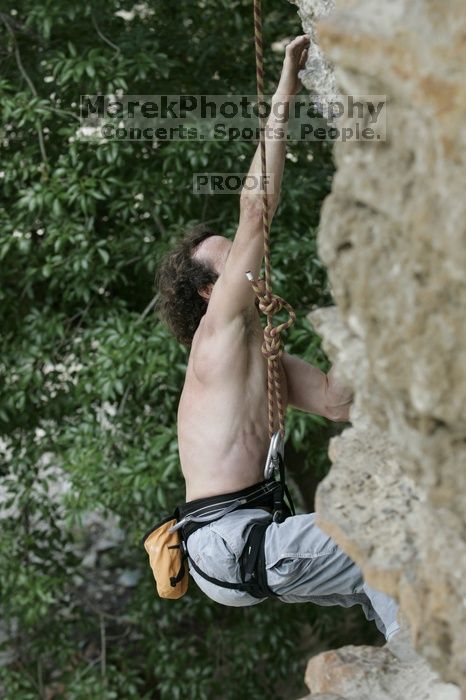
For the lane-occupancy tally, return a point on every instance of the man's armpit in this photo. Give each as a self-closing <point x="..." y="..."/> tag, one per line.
<point x="219" y="350"/>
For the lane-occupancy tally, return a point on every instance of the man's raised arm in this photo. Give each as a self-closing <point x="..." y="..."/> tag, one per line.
<point x="232" y="294"/>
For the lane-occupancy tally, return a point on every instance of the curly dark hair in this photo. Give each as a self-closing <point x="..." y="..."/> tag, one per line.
<point x="178" y="279"/>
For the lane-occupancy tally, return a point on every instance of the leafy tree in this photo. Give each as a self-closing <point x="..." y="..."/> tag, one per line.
<point x="91" y="379"/>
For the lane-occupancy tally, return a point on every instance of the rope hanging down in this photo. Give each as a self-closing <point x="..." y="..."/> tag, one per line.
<point x="269" y="303"/>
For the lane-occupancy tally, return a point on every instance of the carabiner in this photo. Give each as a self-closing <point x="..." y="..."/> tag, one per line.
<point x="276" y="449"/>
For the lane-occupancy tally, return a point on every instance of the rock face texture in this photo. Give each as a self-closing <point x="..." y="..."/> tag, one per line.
<point x="318" y="75"/>
<point x="393" y="237"/>
<point x="375" y="673"/>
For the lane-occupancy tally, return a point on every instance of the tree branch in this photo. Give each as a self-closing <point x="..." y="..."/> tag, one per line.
<point x="102" y="36"/>
<point x="103" y="650"/>
<point x="30" y="84"/>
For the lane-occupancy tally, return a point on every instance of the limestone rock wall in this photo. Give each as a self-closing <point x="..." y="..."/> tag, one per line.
<point x="393" y="237"/>
<point x="319" y="74"/>
<point x="374" y="673"/>
<point x="392" y="672"/>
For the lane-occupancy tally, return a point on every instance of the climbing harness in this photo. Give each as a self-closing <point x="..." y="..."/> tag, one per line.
<point x="167" y="542"/>
<point x="168" y="556"/>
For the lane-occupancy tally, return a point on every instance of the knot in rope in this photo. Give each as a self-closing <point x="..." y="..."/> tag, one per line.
<point x="272" y="347"/>
<point x="270" y="304"/>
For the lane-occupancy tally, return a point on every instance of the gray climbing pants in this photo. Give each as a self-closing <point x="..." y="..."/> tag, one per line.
<point x="303" y="564"/>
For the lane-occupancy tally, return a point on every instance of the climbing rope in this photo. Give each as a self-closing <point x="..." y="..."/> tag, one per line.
<point x="269" y="304"/>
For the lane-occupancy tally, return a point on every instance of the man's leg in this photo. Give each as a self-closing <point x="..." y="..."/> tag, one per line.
<point x="305" y="565"/>
<point x="216" y="548"/>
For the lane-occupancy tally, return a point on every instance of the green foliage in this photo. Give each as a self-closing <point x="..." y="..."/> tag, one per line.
<point x="91" y="379"/>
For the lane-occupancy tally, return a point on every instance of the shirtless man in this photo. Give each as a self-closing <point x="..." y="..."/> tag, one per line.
<point x="222" y="416"/>
<point x="223" y="440"/>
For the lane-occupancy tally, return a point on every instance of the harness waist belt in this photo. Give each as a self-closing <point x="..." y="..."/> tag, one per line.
<point x="202" y="511"/>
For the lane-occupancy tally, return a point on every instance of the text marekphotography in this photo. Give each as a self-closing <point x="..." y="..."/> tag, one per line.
<point x="231" y="118"/>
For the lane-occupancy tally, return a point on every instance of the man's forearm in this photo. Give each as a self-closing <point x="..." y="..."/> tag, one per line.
<point x="275" y="151"/>
<point x="311" y="390"/>
<point x="276" y="129"/>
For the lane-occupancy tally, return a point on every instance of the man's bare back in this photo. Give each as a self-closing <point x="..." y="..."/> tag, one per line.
<point x="222" y="414"/>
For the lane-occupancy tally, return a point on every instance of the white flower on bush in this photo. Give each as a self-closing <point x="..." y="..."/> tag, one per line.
<point x="141" y="10"/>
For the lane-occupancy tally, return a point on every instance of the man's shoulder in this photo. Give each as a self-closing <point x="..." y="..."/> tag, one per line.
<point x="220" y="348"/>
